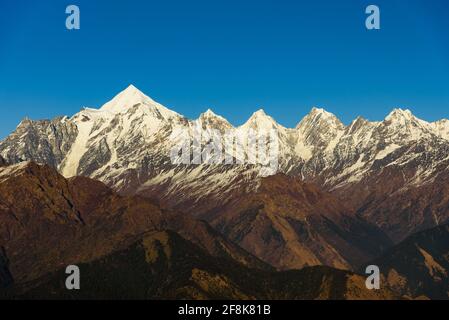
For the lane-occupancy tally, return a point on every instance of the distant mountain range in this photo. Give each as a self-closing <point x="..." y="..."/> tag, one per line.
<point x="342" y="195"/>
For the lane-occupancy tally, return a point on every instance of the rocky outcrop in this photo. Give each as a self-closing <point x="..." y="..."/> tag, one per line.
<point x="43" y="141"/>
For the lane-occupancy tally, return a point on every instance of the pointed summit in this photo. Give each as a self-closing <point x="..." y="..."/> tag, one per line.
<point x="399" y="113"/>
<point x="318" y="117"/>
<point x="209" y="114"/>
<point x="260" y="120"/>
<point x="127" y="99"/>
<point x="404" y="116"/>
<point x="359" y="123"/>
<point x="131" y="87"/>
<point x="131" y="90"/>
<point x="320" y="129"/>
<point x="260" y="113"/>
<point x="403" y="126"/>
<point x="320" y="111"/>
<point x="131" y="97"/>
<point x="210" y="117"/>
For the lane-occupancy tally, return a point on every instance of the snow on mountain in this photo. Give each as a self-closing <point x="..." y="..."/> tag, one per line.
<point x="132" y="97"/>
<point x="127" y="144"/>
<point x="320" y="130"/>
<point x="211" y="121"/>
<point x="441" y="128"/>
<point x="402" y="126"/>
<point x="210" y="117"/>
<point x="259" y="120"/>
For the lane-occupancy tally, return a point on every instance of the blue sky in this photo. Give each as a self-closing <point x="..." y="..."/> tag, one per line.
<point x="233" y="56"/>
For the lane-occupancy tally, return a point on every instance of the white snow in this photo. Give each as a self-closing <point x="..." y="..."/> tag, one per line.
<point x="319" y="142"/>
<point x="131" y="97"/>
<point x="385" y="152"/>
<point x="79" y="147"/>
<point x="441" y="128"/>
<point x="305" y="152"/>
<point x="260" y="121"/>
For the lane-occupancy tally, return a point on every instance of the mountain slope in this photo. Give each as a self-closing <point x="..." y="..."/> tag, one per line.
<point x="382" y="170"/>
<point x="403" y="211"/>
<point x="44" y="141"/>
<point x="6" y="279"/>
<point x="419" y="266"/>
<point x="291" y="224"/>
<point x="2" y="162"/>
<point x="376" y="164"/>
<point x="123" y="251"/>
<point x="47" y="221"/>
<point x="163" y="265"/>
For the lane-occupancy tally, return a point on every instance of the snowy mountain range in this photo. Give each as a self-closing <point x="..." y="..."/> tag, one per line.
<point x="126" y="144"/>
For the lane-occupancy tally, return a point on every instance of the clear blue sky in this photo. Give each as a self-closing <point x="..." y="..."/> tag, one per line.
<point x="234" y="56"/>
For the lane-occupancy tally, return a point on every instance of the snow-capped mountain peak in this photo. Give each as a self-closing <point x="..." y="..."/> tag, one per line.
<point x="321" y="111"/>
<point x="128" y="142"/>
<point x="127" y="99"/>
<point x="210" y="118"/>
<point x="404" y="117"/>
<point x="260" y="113"/>
<point x="259" y="120"/>
<point x="319" y="117"/>
<point x="209" y="114"/>
<point x="132" y="97"/>
<point x="402" y="126"/>
<point x="399" y="114"/>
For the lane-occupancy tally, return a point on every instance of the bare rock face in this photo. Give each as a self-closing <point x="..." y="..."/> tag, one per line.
<point x="2" y="162"/>
<point x="44" y="141"/>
